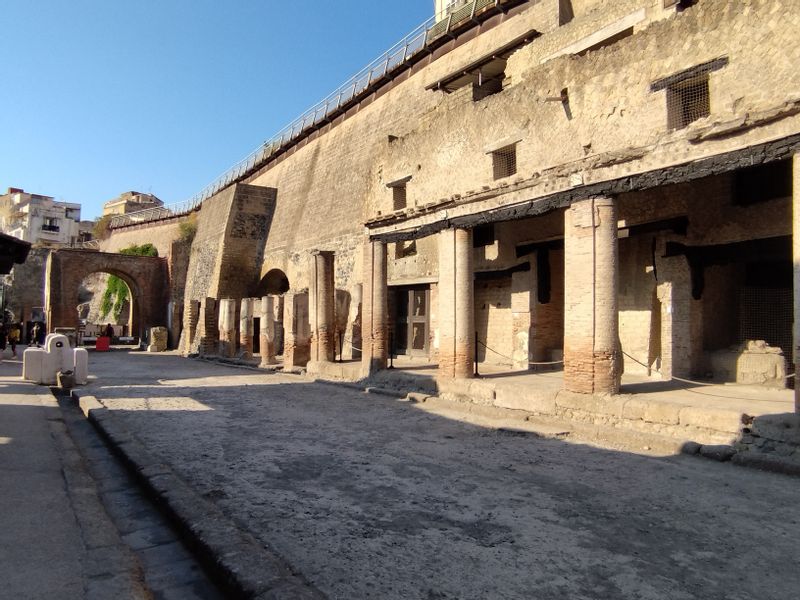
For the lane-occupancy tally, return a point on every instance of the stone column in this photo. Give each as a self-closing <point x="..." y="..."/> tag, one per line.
<point x="227" y="328"/>
<point x="267" y="331"/>
<point x="226" y="325"/>
<point x="522" y="299"/>
<point x="375" y="310"/>
<point x="681" y="317"/>
<point x="351" y="348"/>
<point x="456" y="304"/>
<point x="321" y="307"/>
<point x="296" y="349"/>
<point x="591" y="325"/>
<point x="246" y="327"/>
<point x="796" y="257"/>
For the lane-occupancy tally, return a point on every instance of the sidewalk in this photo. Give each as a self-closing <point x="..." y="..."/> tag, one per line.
<point x="56" y="540"/>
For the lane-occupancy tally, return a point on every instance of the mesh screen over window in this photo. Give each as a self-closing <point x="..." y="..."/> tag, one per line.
<point x="687" y="102"/>
<point x="504" y="161"/>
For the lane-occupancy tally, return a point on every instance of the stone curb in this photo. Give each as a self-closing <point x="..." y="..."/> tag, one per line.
<point x="236" y="560"/>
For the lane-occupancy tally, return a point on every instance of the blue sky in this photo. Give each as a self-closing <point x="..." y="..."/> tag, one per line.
<point x="162" y="96"/>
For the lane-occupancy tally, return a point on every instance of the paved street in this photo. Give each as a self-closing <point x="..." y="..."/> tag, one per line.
<point x="370" y="497"/>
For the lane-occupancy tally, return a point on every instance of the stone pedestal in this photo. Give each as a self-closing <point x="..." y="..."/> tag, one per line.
<point x="158" y="339"/>
<point x="267" y="331"/>
<point x="374" y="322"/>
<point x="591" y="327"/>
<point x="456" y="304"/>
<point x="321" y="306"/>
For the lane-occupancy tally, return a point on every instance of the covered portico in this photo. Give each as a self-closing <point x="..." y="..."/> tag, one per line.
<point x="596" y="275"/>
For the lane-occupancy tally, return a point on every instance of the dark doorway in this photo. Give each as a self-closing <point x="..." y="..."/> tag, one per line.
<point x="412" y="320"/>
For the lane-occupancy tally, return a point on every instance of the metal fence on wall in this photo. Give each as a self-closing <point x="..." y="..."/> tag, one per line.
<point x="419" y="40"/>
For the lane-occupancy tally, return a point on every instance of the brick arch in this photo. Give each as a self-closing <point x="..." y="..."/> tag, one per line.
<point x="146" y="277"/>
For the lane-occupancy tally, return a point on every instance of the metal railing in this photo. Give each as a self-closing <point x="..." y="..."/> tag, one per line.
<point x="419" y="40"/>
<point x="156" y="213"/>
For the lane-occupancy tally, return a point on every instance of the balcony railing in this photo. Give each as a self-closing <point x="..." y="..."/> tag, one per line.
<point x="398" y="57"/>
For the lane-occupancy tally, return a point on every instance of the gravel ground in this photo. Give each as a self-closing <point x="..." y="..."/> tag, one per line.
<point x="370" y="497"/>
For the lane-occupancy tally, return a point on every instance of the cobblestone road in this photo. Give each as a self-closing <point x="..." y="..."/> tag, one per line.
<point x="370" y="497"/>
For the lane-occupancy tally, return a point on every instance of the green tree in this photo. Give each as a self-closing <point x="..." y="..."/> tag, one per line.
<point x="116" y="292"/>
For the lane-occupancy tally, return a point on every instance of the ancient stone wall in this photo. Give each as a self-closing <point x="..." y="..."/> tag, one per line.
<point x="25" y="284"/>
<point x="159" y="233"/>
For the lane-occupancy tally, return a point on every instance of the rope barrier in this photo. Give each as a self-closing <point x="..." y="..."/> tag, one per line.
<point x="693" y="382"/>
<point x="554" y="362"/>
<point x="350" y="343"/>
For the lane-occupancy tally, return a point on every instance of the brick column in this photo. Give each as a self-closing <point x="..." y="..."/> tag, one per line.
<point x="267" y="331"/>
<point x="796" y="253"/>
<point x="375" y="309"/>
<point x="321" y="307"/>
<point x="456" y="304"/>
<point x="246" y="327"/>
<point x="591" y="325"/>
<point x="227" y="328"/>
<point x="209" y="327"/>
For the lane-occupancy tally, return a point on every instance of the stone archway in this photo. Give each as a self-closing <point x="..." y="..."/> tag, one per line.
<point x="274" y="283"/>
<point x="145" y="276"/>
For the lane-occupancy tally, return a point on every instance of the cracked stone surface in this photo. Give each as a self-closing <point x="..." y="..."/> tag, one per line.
<point x="370" y="497"/>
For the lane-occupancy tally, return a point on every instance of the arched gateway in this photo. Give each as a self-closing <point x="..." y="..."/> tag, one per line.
<point x="146" y="277"/>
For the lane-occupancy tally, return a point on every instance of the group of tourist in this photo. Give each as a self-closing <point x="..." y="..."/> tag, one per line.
<point x="11" y="334"/>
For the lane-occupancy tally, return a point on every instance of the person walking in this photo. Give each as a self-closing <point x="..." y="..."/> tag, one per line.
<point x="36" y="333"/>
<point x="13" y="339"/>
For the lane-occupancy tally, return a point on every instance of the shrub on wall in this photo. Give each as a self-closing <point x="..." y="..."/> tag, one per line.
<point x="188" y="229"/>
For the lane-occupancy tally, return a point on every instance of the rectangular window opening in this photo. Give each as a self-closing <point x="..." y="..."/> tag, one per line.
<point x="399" y="200"/>
<point x="687" y="102"/>
<point x="504" y="161"/>
<point x="399" y="191"/>
<point x="485" y="87"/>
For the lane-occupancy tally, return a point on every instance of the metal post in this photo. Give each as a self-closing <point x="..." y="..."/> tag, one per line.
<point x="476" y="355"/>
<point x="391" y="350"/>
